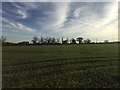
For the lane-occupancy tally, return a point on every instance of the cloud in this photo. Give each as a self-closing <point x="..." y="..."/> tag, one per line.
<point x="85" y="21"/>
<point x="61" y="13"/>
<point x="23" y="14"/>
<point x="30" y="5"/>
<point x="60" y="0"/>
<point x="54" y="18"/>
<point x="14" y="10"/>
<point x="15" y="26"/>
<point x="90" y="20"/>
<point x="67" y="19"/>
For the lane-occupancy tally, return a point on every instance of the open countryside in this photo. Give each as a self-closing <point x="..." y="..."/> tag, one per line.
<point x="60" y="44"/>
<point x="61" y="66"/>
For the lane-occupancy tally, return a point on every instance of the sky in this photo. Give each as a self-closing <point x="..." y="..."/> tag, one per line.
<point x="90" y="20"/>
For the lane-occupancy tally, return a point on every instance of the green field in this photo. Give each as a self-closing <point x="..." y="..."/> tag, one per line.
<point x="60" y="66"/>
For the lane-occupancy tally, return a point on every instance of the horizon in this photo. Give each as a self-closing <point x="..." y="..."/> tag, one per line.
<point x="90" y="20"/>
<point x="60" y="38"/>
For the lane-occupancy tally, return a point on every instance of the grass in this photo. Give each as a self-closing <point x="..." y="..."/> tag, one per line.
<point x="61" y="66"/>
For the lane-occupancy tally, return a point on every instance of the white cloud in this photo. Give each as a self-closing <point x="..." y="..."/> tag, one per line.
<point x="91" y="25"/>
<point x="21" y="27"/>
<point x="60" y="0"/>
<point x="30" y="5"/>
<point x="55" y="18"/>
<point x="61" y="12"/>
<point x="77" y="12"/>
<point x="111" y="13"/>
<point x="88" y="20"/>
<point x="15" y="26"/>
<point x="17" y="12"/>
<point x="22" y="13"/>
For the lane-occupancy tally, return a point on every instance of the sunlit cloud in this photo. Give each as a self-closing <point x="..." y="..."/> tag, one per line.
<point x="63" y="19"/>
<point x="89" y="23"/>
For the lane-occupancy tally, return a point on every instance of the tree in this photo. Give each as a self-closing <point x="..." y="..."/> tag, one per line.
<point x="62" y="40"/>
<point x="49" y="39"/>
<point x="53" y="40"/>
<point x="57" y="40"/>
<point x="3" y="39"/>
<point x="73" y="41"/>
<point x="79" y="39"/>
<point x="35" y="39"/>
<point x="87" y="41"/>
<point x="41" y="40"/>
<point x="67" y="40"/>
<point x="106" y="41"/>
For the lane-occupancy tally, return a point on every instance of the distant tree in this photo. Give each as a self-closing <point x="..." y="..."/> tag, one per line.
<point x="57" y="40"/>
<point x="45" y="40"/>
<point x="87" y="41"/>
<point x="73" y="41"/>
<point x="41" y="40"/>
<point x="35" y="39"/>
<point x="49" y="39"/>
<point x="79" y="39"/>
<point x="62" y="40"/>
<point x="23" y="43"/>
<point x="53" y="40"/>
<point x="3" y="39"/>
<point x="67" y="40"/>
<point x="106" y="41"/>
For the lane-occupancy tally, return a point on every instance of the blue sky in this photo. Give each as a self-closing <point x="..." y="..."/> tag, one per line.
<point x="23" y="20"/>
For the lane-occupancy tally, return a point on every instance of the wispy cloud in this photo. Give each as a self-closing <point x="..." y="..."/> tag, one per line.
<point x="60" y="0"/>
<point x="67" y="19"/>
<point x="15" y="26"/>
<point x="23" y="14"/>
<point x="54" y="18"/>
<point x="85" y="21"/>
<point x="16" y="11"/>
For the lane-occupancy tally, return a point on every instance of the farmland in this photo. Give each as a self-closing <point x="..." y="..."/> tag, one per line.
<point x="60" y="66"/>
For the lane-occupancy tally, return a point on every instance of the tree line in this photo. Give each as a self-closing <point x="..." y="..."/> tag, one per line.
<point x="53" y="40"/>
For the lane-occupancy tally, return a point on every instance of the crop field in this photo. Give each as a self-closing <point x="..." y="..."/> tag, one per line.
<point x="60" y="66"/>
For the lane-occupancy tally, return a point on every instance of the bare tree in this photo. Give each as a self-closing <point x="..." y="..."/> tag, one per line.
<point x="53" y="40"/>
<point x="79" y="39"/>
<point x="41" y="40"/>
<point x="87" y="41"/>
<point x="62" y="40"/>
<point x="35" y="39"/>
<point x="106" y="41"/>
<point x="3" y="39"/>
<point x="73" y="41"/>
<point x="49" y="40"/>
<point x="57" y="40"/>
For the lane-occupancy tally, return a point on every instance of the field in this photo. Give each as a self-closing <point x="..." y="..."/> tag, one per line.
<point x="60" y="66"/>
